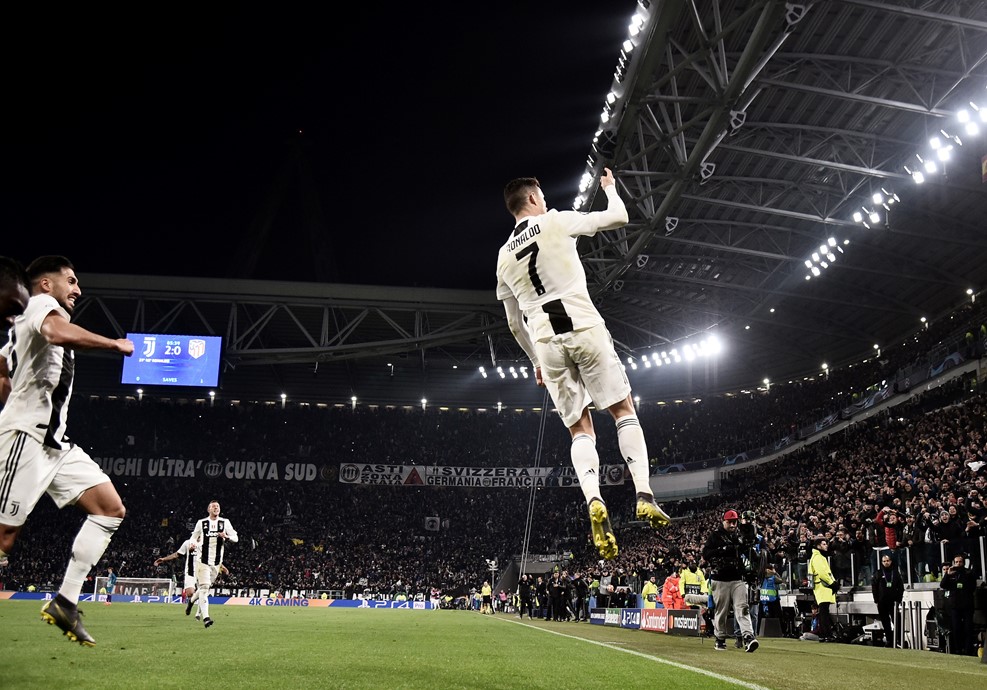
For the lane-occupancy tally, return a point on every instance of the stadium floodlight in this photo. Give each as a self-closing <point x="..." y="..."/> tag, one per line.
<point x="857" y="217"/>
<point x="500" y="370"/>
<point x="424" y="402"/>
<point x="930" y="166"/>
<point x="524" y="372"/>
<point x="808" y="263"/>
<point x="972" y="128"/>
<point x="815" y="257"/>
<point x="874" y="217"/>
<point x="963" y="115"/>
<point x="513" y="372"/>
<point x="943" y="153"/>
<point x="935" y="143"/>
<point x="815" y="271"/>
<point x="628" y="46"/>
<point x="877" y="198"/>
<point x="831" y="256"/>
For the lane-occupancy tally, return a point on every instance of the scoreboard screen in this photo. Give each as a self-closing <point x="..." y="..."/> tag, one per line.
<point x="161" y="359"/>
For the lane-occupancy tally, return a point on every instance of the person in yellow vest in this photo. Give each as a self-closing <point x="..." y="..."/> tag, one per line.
<point x="487" y="598"/>
<point x="649" y="594"/>
<point x="695" y="587"/>
<point x="824" y="586"/>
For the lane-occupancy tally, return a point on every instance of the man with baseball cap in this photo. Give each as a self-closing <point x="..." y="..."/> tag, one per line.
<point x="723" y="550"/>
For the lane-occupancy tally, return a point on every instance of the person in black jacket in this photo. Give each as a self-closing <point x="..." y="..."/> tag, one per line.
<point x="888" y="589"/>
<point x="723" y="550"/>
<point x="580" y="590"/>
<point x="524" y="596"/>
<point x="959" y="584"/>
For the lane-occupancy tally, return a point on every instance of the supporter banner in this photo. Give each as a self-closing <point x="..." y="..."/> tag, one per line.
<point x="211" y="469"/>
<point x="869" y="401"/>
<point x="734" y="459"/>
<point x="951" y="361"/>
<point x="486" y="477"/>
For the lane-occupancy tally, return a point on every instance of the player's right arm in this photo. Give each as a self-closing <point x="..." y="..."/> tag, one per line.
<point x="611" y="218"/>
<point x="169" y="557"/>
<point x="58" y="330"/>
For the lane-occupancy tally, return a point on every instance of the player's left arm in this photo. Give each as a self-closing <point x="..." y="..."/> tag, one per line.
<point x="230" y="534"/>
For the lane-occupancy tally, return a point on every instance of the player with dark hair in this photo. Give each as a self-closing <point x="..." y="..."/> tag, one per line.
<point x="13" y="290"/>
<point x="37" y="369"/>
<point x="542" y="283"/>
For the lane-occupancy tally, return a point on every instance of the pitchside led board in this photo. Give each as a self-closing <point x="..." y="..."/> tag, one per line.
<point x="162" y="359"/>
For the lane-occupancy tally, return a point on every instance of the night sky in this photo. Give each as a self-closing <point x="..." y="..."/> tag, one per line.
<point x="173" y="144"/>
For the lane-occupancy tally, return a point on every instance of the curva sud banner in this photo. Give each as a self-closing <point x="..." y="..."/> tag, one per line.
<point x="356" y="473"/>
<point x="486" y="477"/>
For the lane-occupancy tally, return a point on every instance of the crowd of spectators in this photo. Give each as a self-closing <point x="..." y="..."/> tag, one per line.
<point x="922" y="460"/>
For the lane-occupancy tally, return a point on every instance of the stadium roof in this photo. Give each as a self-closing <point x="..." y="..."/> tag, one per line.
<point x="745" y="136"/>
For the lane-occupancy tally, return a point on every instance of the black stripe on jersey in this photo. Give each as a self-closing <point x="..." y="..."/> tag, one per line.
<point x="520" y="228"/>
<point x="189" y="564"/>
<point x="557" y="316"/>
<point x="204" y="549"/>
<point x="59" y="398"/>
<point x="10" y="469"/>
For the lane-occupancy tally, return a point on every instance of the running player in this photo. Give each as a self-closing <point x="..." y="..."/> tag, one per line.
<point x="37" y="367"/>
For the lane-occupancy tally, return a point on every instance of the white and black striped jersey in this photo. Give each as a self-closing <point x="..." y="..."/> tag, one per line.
<point x="540" y="266"/>
<point x="41" y="376"/>
<point x="189" y="553"/>
<point x="209" y="543"/>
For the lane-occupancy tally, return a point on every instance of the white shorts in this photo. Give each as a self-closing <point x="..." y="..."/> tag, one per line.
<point x="205" y="574"/>
<point x="29" y="469"/>
<point x="580" y="367"/>
<point x="189" y="582"/>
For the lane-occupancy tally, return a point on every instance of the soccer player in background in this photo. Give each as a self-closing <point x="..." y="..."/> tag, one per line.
<point x="189" y="589"/>
<point x="542" y="283"/>
<point x="13" y="290"/>
<point x="37" y="368"/>
<point x="111" y="583"/>
<point x="210" y="535"/>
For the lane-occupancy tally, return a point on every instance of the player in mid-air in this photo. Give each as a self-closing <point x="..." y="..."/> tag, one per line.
<point x="37" y="367"/>
<point x="542" y="283"/>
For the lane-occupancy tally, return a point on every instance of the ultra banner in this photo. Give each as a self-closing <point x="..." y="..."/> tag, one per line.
<point x="486" y="477"/>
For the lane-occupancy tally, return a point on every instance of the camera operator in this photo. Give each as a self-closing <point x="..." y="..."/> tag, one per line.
<point x="724" y="550"/>
<point x="959" y="585"/>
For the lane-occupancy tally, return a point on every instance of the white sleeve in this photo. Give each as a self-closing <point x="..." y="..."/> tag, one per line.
<point x="518" y="328"/>
<point x="231" y="534"/>
<point x="197" y="532"/>
<point x="613" y="217"/>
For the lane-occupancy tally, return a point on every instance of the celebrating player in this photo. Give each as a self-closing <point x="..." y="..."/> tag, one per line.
<point x="542" y="284"/>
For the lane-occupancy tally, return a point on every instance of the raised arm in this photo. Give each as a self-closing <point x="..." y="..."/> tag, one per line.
<point x="57" y="330"/>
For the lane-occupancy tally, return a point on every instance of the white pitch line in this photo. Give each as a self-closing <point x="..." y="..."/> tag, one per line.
<point x="650" y="657"/>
